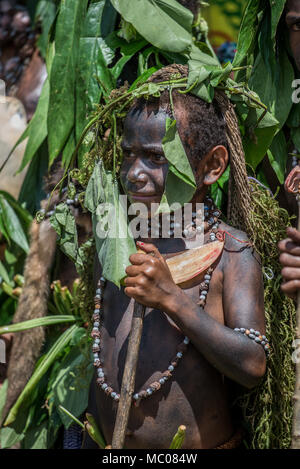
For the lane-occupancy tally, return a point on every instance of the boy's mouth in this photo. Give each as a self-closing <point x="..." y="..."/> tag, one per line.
<point x="143" y="196"/>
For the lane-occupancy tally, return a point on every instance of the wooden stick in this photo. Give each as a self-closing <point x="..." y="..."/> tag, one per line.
<point x="128" y="381"/>
<point x="296" y="413"/>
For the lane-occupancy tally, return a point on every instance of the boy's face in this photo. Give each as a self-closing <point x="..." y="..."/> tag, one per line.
<point x="144" y="168"/>
<point x="292" y="20"/>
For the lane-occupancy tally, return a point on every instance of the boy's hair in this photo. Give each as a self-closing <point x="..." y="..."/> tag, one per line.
<point x="205" y="126"/>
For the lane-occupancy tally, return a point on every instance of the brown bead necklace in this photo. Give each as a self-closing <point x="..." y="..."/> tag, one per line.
<point x="212" y="223"/>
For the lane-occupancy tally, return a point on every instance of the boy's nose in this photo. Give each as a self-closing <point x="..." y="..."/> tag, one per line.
<point x="136" y="173"/>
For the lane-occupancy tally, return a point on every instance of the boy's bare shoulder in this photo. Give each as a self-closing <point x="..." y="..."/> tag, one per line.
<point x="237" y="241"/>
<point x="233" y="237"/>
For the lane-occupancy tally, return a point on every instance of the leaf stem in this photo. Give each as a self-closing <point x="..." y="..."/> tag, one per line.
<point x="71" y="416"/>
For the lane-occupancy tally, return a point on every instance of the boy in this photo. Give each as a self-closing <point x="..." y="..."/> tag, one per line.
<point x="195" y="395"/>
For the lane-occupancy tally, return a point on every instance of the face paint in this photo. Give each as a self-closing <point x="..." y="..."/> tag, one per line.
<point x="144" y="168"/>
<point x="292" y="19"/>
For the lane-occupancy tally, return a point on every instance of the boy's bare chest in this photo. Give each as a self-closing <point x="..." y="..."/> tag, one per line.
<point x="194" y="388"/>
<point x="160" y="338"/>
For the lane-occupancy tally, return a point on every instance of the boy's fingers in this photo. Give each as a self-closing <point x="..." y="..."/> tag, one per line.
<point x="290" y="288"/>
<point x="133" y="270"/>
<point x="293" y="234"/>
<point x="130" y="281"/>
<point x="291" y="273"/>
<point x="287" y="245"/>
<point x="138" y="259"/>
<point x="149" y="249"/>
<point x="288" y="260"/>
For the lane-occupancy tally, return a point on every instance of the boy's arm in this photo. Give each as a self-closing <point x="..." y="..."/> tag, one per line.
<point x="233" y="354"/>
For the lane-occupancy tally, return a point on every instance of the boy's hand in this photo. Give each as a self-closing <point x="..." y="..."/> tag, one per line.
<point x="290" y="261"/>
<point x="149" y="279"/>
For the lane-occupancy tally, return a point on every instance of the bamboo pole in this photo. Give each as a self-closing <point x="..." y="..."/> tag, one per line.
<point x="128" y="381"/>
<point x="296" y="398"/>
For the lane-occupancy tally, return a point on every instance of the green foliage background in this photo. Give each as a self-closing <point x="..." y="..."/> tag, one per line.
<point x="90" y="48"/>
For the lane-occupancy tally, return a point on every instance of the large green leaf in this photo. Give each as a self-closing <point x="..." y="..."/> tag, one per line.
<point x="22" y="213"/>
<point x="45" y="14"/>
<point x="36" y="437"/>
<point x="294" y="117"/>
<point x="12" y="225"/>
<point x="32" y="323"/>
<point x="94" y="57"/>
<point x="248" y="31"/>
<point x="24" y="399"/>
<point x="34" y="178"/>
<point x="180" y="183"/>
<point x="37" y="127"/>
<point x="277" y="155"/>
<point x="63" y="74"/>
<point x="73" y="378"/>
<point x="175" y="153"/>
<point x="9" y="437"/>
<point x="114" y="249"/>
<point x="63" y="222"/>
<point x="277" y="8"/>
<point x="274" y="90"/>
<point x="295" y="136"/>
<point x="257" y="141"/>
<point x="168" y="25"/>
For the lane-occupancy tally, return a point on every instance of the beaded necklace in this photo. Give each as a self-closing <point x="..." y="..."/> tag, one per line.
<point x="211" y="223"/>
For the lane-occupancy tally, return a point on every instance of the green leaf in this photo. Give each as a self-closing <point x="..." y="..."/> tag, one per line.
<point x="274" y="90"/>
<point x="94" y="57"/>
<point x="32" y="323"/>
<point x="295" y="136"/>
<point x="94" y="432"/>
<point x="8" y="308"/>
<point x="63" y="74"/>
<point x="277" y="155"/>
<point x="180" y="182"/>
<point x="71" y="386"/>
<point x="69" y="149"/>
<point x="143" y="78"/>
<point x="49" y="358"/>
<point x="34" y="178"/>
<point x="248" y="29"/>
<point x="256" y="142"/>
<point x="38" y="127"/>
<point x="94" y="194"/>
<point x="63" y="222"/>
<point x="22" y="213"/>
<point x="168" y="17"/>
<point x="277" y="8"/>
<point x="108" y="19"/>
<point x="12" y="225"/>
<point x="114" y="249"/>
<point x="175" y="153"/>
<point x="45" y="15"/>
<point x="36" y="437"/>
<point x="9" y="437"/>
<point x="294" y="117"/>
<point x="3" y="274"/>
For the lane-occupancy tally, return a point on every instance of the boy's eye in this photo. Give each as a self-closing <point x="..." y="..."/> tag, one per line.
<point x="159" y="158"/>
<point x="127" y="154"/>
<point x="295" y="26"/>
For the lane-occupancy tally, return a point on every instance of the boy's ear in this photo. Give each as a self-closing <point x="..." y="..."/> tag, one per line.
<point x="216" y="162"/>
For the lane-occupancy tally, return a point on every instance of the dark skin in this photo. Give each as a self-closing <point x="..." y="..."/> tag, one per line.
<point x="196" y="396"/>
<point x="292" y="20"/>
<point x="290" y="247"/>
